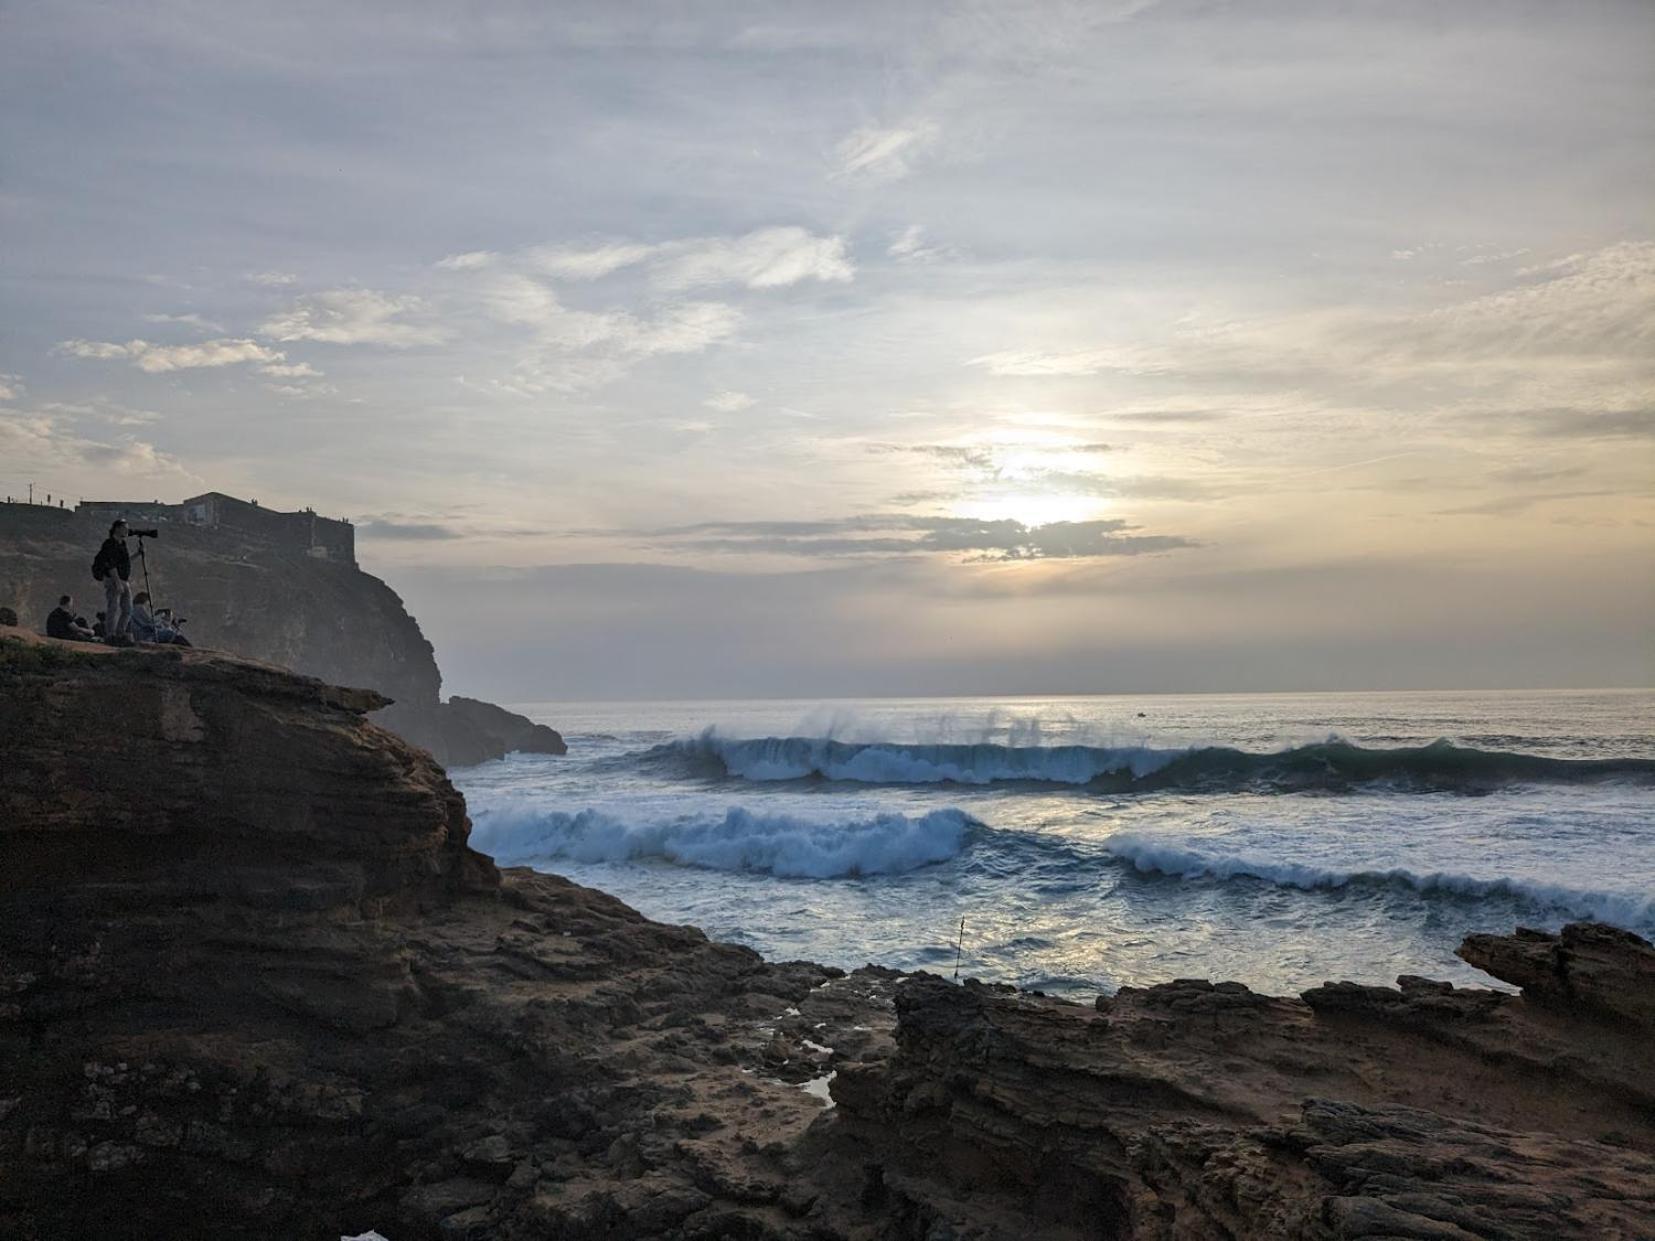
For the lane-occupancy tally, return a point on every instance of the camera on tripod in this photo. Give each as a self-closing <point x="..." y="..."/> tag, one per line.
<point x="145" y="534"/>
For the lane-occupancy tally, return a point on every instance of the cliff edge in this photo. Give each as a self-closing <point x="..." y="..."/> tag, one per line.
<point x="254" y="982"/>
<point x="273" y="603"/>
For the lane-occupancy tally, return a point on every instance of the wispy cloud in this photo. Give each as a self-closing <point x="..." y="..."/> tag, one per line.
<point x="729" y="402"/>
<point x="766" y="258"/>
<point x="885" y="152"/>
<point x="355" y="317"/>
<point x="770" y="258"/>
<point x="186" y="320"/>
<point x="403" y="531"/>
<point x="912" y="245"/>
<point x="159" y="359"/>
<point x="587" y="263"/>
<point x="900" y="535"/>
<point x="471" y="260"/>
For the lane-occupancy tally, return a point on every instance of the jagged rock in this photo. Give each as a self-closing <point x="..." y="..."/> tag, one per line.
<point x="1587" y="965"/>
<point x="1176" y="1111"/>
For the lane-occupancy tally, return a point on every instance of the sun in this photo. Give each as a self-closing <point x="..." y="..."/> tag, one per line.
<point x="1031" y="508"/>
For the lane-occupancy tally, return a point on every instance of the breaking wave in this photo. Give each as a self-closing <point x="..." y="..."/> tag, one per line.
<point x="740" y="840"/>
<point x="1325" y="765"/>
<point x="1150" y="855"/>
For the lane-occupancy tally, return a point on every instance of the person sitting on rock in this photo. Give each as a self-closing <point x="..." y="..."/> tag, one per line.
<point x="61" y="622"/>
<point x="147" y="628"/>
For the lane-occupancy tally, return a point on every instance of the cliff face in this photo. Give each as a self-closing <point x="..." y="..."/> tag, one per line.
<point x="255" y="599"/>
<point x="255" y="983"/>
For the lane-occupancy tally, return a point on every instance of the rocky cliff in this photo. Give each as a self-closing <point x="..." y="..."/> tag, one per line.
<point x="255" y="983"/>
<point x="256" y="599"/>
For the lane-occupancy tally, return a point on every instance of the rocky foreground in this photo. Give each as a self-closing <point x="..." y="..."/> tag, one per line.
<point x="255" y="984"/>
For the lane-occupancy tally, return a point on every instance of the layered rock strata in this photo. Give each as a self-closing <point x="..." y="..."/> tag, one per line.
<point x="255" y="983"/>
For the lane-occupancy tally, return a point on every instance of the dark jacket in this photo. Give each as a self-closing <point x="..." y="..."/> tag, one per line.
<point x="60" y="623"/>
<point x="113" y="557"/>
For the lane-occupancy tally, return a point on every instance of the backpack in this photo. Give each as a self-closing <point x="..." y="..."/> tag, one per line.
<point x="100" y="566"/>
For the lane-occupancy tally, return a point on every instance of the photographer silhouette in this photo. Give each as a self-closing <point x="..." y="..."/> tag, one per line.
<point x="112" y="566"/>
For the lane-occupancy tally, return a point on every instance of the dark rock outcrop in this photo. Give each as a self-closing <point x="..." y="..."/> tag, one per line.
<point x="255" y="983"/>
<point x="1602" y="969"/>
<point x="1200" y="1110"/>
<point x="468" y="731"/>
<point x="253" y="598"/>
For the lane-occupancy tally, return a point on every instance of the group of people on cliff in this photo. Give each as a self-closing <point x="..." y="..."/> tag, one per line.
<point x="127" y="618"/>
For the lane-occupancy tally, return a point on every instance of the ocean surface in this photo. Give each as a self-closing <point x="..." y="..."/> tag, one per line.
<point x="1090" y="843"/>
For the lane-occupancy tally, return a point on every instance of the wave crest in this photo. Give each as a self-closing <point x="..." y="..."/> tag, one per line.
<point x="1150" y="855"/>
<point x="1325" y="765"/>
<point x="776" y="844"/>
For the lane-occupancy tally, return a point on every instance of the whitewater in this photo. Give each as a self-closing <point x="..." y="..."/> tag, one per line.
<point x="1090" y="843"/>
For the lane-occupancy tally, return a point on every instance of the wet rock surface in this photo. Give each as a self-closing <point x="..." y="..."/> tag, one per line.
<point x="255" y="983"/>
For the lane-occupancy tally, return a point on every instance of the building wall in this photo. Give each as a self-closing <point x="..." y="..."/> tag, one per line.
<point x="136" y="512"/>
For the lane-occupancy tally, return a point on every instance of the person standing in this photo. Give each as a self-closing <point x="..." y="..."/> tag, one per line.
<point x="112" y="566"/>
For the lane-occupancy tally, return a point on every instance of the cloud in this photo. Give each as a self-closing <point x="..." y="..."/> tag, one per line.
<point x="415" y="531"/>
<point x="574" y="349"/>
<point x="271" y="279"/>
<point x="1135" y="486"/>
<point x="189" y="320"/>
<point x="11" y="386"/>
<point x="159" y="359"/>
<point x="1590" y="425"/>
<point x="469" y="261"/>
<point x="766" y="258"/>
<point x="353" y="317"/>
<point x="975" y="456"/>
<point x="911" y="246"/>
<point x="884" y="153"/>
<point x="592" y="263"/>
<point x="1507" y="506"/>
<point x="729" y="402"/>
<point x="769" y="258"/>
<point x="1036" y="362"/>
<point x="290" y="370"/>
<point x="49" y="447"/>
<point x="885" y="535"/>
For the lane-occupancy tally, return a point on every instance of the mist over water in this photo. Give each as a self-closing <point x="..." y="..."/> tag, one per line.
<point x="1282" y="840"/>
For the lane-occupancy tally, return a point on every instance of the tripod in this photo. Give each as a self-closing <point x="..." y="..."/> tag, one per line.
<point x="143" y="562"/>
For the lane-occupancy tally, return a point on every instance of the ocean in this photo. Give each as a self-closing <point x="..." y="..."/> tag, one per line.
<point x="1094" y="842"/>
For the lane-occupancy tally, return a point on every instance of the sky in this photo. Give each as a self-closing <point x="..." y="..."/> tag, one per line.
<point x="744" y="349"/>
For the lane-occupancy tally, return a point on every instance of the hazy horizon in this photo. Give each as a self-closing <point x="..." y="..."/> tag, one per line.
<point x="969" y="349"/>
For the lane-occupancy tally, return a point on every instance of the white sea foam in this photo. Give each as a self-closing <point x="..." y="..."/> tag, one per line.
<point x="1153" y="855"/>
<point x="786" y="845"/>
